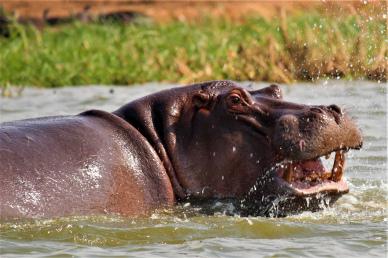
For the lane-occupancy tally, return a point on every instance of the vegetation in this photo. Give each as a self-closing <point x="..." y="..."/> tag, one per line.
<point x="307" y="46"/>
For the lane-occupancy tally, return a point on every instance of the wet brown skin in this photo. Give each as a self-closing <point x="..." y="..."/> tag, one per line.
<point x="213" y="140"/>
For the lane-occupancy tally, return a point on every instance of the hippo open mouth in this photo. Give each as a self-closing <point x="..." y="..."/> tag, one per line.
<point x="311" y="176"/>
<point x="294" y="186"/>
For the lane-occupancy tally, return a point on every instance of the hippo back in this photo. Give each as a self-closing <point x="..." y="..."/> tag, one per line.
<point x="87" y="164"/>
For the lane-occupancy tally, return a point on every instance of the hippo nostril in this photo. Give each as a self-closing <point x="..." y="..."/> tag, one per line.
<point x="336" y="111"/>
<point x="335" y="108"/>
<point x="317" y="110"/>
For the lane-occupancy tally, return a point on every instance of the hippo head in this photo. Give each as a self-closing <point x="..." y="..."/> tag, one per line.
<point x="218" y="140"/>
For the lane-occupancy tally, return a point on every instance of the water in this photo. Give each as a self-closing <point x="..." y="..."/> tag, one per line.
<point x="355" y="227"/>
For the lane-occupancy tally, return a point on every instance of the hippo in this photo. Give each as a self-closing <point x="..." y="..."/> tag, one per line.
<point x="203" y="142"/>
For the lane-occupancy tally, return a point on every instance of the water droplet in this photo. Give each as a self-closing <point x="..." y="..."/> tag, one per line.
<point x="249" y="221"/>
<point x="234" y="149"/>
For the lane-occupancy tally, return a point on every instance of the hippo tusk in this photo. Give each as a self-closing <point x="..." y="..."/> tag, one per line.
<point x="287" y="176"/>
<point x="338" y="167"/>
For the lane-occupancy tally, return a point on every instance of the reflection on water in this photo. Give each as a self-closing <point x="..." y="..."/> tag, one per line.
<point x="355" y="226"/>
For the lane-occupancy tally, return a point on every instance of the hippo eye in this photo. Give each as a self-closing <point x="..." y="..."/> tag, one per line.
<point x="235" y="100"/>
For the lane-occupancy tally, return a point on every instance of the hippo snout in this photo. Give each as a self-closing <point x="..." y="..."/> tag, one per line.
<point x="317" y="129"/>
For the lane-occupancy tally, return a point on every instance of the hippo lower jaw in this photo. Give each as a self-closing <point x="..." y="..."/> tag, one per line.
<point x="310" y="177"/>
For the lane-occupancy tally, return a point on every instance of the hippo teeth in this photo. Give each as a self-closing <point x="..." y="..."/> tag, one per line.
<point x="288" y="172"/>
<point x="313" y="170"/>
<point x="338" y="167"/>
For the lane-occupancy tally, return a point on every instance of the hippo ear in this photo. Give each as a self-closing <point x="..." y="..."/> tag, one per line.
<point x="201" y="100"/>
<point x="273" y="91"/>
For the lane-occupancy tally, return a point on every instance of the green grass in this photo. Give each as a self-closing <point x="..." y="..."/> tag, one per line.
<point x="300" y="47"/>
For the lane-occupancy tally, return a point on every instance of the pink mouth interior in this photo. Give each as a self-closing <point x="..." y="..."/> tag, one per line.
<point x="311" y="175"/>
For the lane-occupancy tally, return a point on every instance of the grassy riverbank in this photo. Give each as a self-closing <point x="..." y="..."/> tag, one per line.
<point x="307" y="46"/>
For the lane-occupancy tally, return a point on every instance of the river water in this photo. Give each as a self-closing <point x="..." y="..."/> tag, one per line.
<point x="356" y="226"/>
